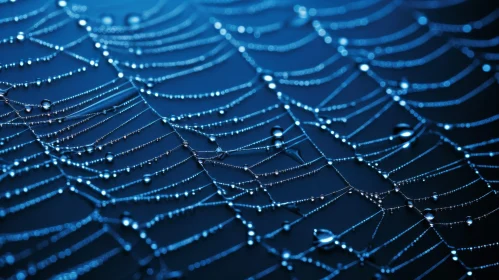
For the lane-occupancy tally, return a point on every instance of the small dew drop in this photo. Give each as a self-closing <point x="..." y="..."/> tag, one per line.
<point x="286" y="226"/>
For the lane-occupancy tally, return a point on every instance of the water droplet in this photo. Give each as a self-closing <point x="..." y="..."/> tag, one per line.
<point x="46" y="104"/>
<point x="212" y="138"/>
<point x="28" y="108"/>
<point x="62" y="3"/>
<point x="126" y="220"/>
<point x="286" y="226"/>
<point x="364" y="67"/>
<point x="82" y="22"/>
<point x="323" y="236"/>
<point x="277" y="131"/>
<point x="133" y="19"/>
<point x="20" y="36"/>
<point x="343" y="41"/>
<point x="286" y="254"/>
<point x="294" y="154"/>
<point x="404" y="131"/>
<point x="429" y="214"/>
<point x="469" y="221"/>
<point x="302" y="16"/>
<point x="90" y="149"/>
<point x="106" y="175"/>
<point x="404" y="84"/>
<point x="267" y="78"/>
<point x="277" y="143"/>
<point x="109" y="157"/>
<point x="435" y="196"/>
<point x="3" y="92"/>
<point x="107" y="19"/>
<point x="410" y="204"/>
<point x="147" y="179"/>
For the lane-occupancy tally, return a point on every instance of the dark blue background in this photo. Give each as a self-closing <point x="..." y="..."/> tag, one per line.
<point x="337" y="217"/>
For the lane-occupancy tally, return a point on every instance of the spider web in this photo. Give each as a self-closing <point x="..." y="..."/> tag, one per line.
<point x="228" y="139"/>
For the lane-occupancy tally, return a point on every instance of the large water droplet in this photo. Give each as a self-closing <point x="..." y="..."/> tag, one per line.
<point x="28" y="108"/>
<point x="109" y="157"/>
<point x="429" y="214"/>
<point x="323" y="236"/>
<point x="277" y="131"/>
<point x="126" y="219"/>
<point x="106" y="175"/>
<point x="435" y="196"/>
<point x="146" y="179"/>
<point x="294" y="154"/>
<point x="277" y="143"/>
<point x="410" y="204"/>
<point x="90" y="149"/>
<point x="267" y="78"/>
<point x="20" y="36"/>
<point x="302" y="16"/>
<point x="46" y="104"/>
<point x="286" y="254"/>
<point x="107" y="19"/>
<point x="404" y="84"/>
<point x="133" y="19"/>
<point x="3" y="92"/>
<point x="469" y="221"/>
<point x="62" y="3"/>
<point x="404" y="131"/>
